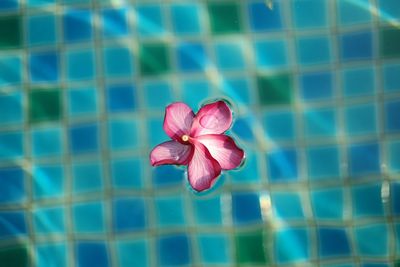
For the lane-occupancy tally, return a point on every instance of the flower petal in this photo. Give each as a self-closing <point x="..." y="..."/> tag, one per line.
<point x="171" y="152"/>
<point x="224" y="149"/>
<point x="203" y="169"/>
<point x="178" y="120"/>
<point x="214" y="118"/>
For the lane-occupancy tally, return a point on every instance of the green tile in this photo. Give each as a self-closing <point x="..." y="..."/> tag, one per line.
<point x="275" y="89"/>
<point x="224" y="18"/>
<point x="44" y="105"/>
<point x="389" y="42"/>
<point x="14" y="257"/>
<point x="154" y="59"/>
<point x="250" y="248"/>
<point x="10" y="32"/>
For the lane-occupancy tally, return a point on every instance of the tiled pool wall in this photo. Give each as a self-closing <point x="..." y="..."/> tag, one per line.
<point x="315" y="88"/>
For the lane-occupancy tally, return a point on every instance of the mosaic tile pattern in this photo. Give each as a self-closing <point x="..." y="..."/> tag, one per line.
<point x="315" y="90"/>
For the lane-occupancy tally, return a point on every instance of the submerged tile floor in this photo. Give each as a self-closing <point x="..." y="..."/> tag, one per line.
<point x="316" y="92"/>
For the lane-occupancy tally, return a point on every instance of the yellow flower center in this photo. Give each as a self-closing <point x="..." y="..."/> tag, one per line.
<point x="185" y="138"/>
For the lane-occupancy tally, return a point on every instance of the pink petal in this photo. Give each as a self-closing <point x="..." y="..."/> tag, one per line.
<point x="202" y="168"/>
<point x="214" y="118"/>
<point x="178" y="120"/>
<point x="224" y="149"/>
<point x="171" y="152"/>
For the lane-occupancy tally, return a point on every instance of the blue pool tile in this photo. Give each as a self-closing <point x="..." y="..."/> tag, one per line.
<point x="364" y="159"/>
<point x="316" y="86"/>
<point x="279" y="125"/>
<point x="48" y="181"/>
<point x="214" y="249"/>
<point x="170" y="211"/>
<point x="367" y="200"/>
<point x="238" y="88"/>
<point x="11" y="145"/>
<point x="7" y="5"/>
<point x="191" y="57"/>
<point x="12" y="224"/>
<point x="118" y="61"/>
<point x="333" y="242"/>
<point x="395" y="198"/>
<point x="323" y="162"/>
<point x="77" y="25"/>
<point x="12" y="188"/>
<point x="208" y="211"/>
<point x="314" y="50"/>
<point x="271" y="54"/>
<point x="361" y="119"/>
<point x="44" y="66"/>
<point x="282" y="165"/>
<point x="150" y="20"/>
<point x="123" y="134"/>
<point x="246" y="208"/>
<point x="162" y="90"/>
<point x="11" y="108"/>
<point x="39" y="3"/>
<point x="174" y="174"/>
<point x="87" y="177"/>
<point x="51" y="254"/>
<point x="127" y="173"/>
<point x="356" y="46"/>
<point x="10" y="70"/>
<point x="249" y="172"/>
<point x="195" y="92"/>
<point x="173" y="250"/>
<point x="243" y="128"/>
<point x="393" y="148"/>
<point x="287" y="206"/>
<point x="327" y="204"/>
<point x="49" y="220"/>
<point x="115" y="22"/>
<point x="264" y="19"/>
<point x="88" y="217"/>
<point x="230" y="56"/>
<point x="82" y="101"/>
<point x="316" y="10"/>
<point x="354" y="12"/>
<point x="390" y="9"/>
<point x="89" y="254"/>
<point x="320" y="122"/>
<point x="392" y="120"/>
<point x="391" y="77"/>
<point x="133" y="253"/>
<point x="358" y="81"/>
<point x="124" y="209"/>
<point x="84" y="138"/>
<point x="376" y="232"/>
<point x="299" y="249"/>
<point x="80" y="65"/>
<point x="186" y="18"/>
<point x="47" y="142"/>
<point x="121" y="98"/>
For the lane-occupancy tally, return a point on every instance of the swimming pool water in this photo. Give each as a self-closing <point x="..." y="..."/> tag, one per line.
<point x="315" y="89"/>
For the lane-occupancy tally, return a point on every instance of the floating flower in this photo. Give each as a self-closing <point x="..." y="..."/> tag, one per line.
<point x="199" y="142"/>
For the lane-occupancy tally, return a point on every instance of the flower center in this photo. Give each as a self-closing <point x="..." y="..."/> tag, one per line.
<point x="185" y="138"/>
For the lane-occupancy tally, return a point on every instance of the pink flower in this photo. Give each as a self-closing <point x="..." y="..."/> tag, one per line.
<point x="199" y="142"/>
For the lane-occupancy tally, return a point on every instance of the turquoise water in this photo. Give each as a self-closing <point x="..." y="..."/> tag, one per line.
<point x="315" y="91"/>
